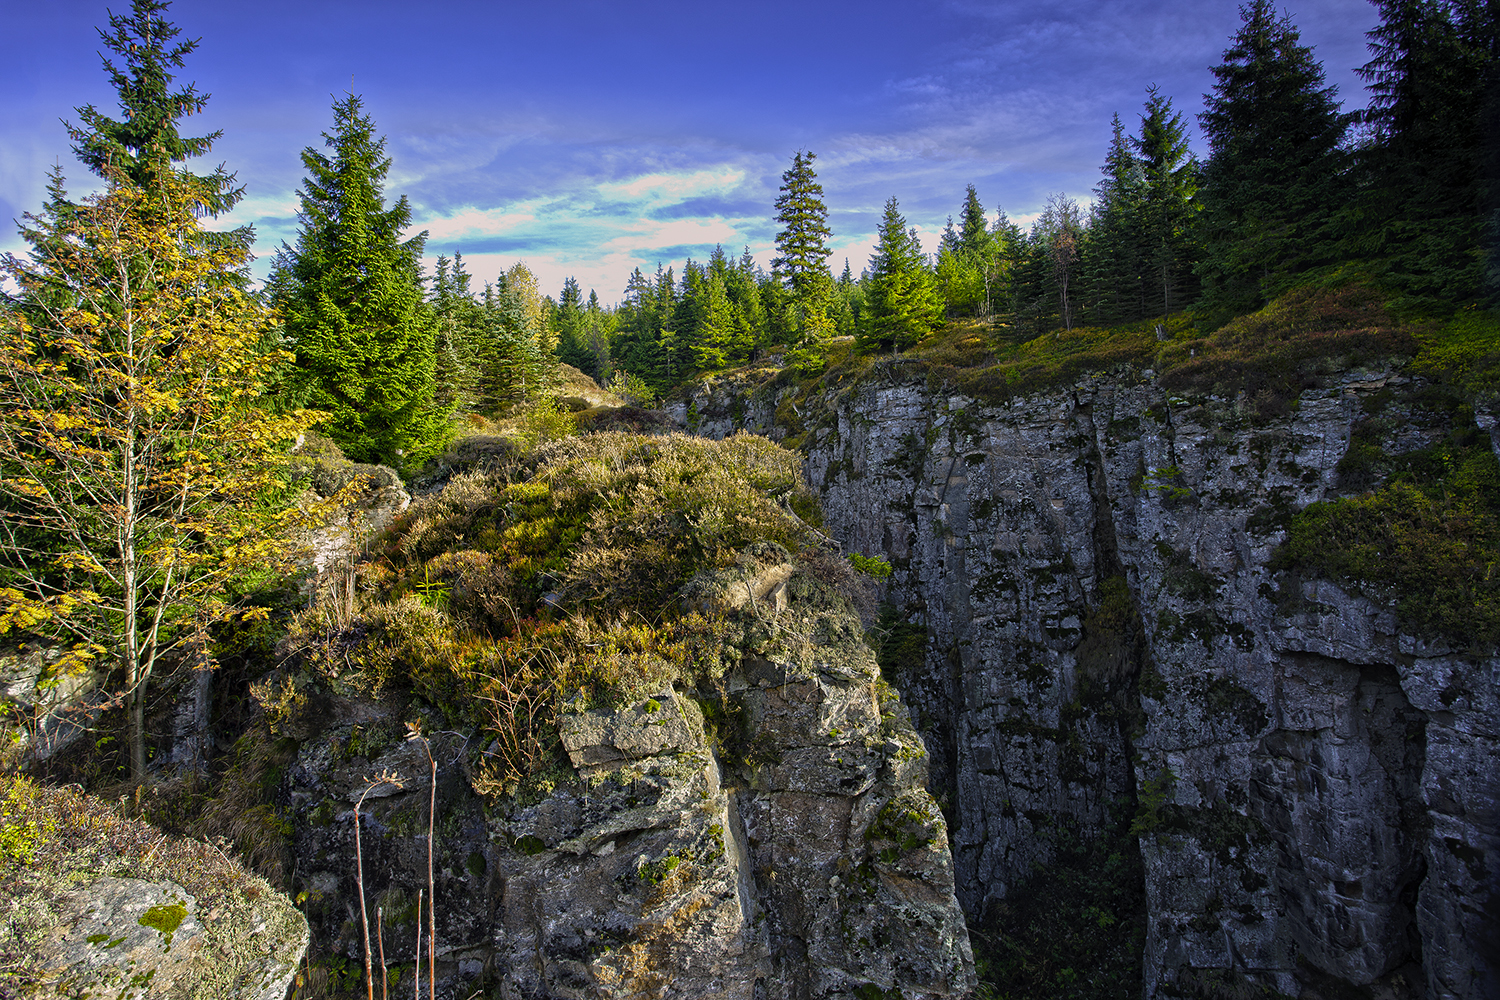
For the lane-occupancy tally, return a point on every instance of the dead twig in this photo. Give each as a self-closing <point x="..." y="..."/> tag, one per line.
<point x="383" y="778"/>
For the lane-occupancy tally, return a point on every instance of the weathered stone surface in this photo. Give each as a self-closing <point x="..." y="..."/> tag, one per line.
<point x="131" y="939"/>
<point x="1331" y="808"/>
<point x="796" y="853"/>
<point x="52" y="711"/>
<point x="668" y="725"/>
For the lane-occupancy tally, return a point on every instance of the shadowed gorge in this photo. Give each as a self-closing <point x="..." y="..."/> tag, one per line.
<point x="1100" y="608"/>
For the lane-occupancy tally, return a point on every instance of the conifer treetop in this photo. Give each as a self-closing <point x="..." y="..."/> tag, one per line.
<point x="803" y="242"/>
<point x="351" y="295"/>
<point x="146" y="138"/>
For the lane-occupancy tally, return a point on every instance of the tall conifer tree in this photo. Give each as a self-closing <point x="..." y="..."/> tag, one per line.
<point x="802" y="248"/>
<point x="1171" y="175"/>
<point x="351" y="292"/>
<point x="572" y="331"/>
<point x="974" y="236"/>
<point x="1271" y="186"/>
<point x="1116" y="261"/>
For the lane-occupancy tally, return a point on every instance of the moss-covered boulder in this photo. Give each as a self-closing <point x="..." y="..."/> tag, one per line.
<point x="666" y="763"/>
<point x="93" y="904"/>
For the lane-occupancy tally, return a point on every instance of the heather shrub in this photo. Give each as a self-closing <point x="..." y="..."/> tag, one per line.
<point x="560" y="581"/>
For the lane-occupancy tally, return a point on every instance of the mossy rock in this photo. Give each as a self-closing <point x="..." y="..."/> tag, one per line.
<point x="111" y="905"/>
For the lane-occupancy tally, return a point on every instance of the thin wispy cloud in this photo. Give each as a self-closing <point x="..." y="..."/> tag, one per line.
<point x="668" y="188"/>
<point x="592" y="139"/>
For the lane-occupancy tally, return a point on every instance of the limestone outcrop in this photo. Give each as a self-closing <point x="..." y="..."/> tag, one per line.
<point x="1315" y="790"/>
<point x="769" y="835"/>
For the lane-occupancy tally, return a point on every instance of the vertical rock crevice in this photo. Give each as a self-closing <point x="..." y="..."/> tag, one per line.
<point x="1309" y="786"/>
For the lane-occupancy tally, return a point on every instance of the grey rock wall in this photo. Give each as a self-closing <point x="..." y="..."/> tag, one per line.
<point x="1317" y="793"/>
<point x="807" y="860"/>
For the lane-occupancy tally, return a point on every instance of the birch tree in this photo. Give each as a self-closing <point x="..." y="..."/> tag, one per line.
<point x="138" y="475"/>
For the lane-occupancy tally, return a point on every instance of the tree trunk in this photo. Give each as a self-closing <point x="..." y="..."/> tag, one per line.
<point x="135" y="698"/>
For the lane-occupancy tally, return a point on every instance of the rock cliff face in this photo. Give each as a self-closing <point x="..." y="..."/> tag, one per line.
<point x="1315" y="793"/>
<point x="787" y="847"/>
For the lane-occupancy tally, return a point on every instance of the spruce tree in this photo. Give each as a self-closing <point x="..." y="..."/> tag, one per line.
<point x="802" y="248"/>
<point x="1171" y="175"/>
<point x="511" y="362"/>
<point x="1116" y="261"/>
<point x="965" y="261"/>
<point x="715" y="341"/>
<point x="742" y="286"/>
<point x="948" y="241"/>
<point x="1429" y="178"/>
<point x="145" y="140"/>
<point x="572" y="331"/>
<point x="974" y="236"/>
<point x="632" y="347"/>
<point x="903" y="305"/>
<point x="848" y="297"/>
<point x="351" y="295"/>
<point x="1271" y="186"/>
<point x="1032" y="288"/>
<point x="1008" y="247"/>
<point x="462" y="338"/>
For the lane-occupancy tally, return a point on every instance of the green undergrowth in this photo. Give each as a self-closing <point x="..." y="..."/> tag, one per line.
<point x="1267" y="357"/>
<point x="1464" y="352"/>
<point x="1427" y="541"/>
<point x="1074" y="930"/>
<point x="1292" y="344"/>
<point x="1063" y="357"/>
<point x="977" y="360"/>
<point x="571" y="576"/>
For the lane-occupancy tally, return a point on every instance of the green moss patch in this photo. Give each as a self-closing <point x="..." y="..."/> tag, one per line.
<point x="165" y="919"/>
<point x="1428" y="541"/>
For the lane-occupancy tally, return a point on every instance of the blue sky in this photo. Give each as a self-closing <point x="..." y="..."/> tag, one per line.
<point x="589" y="137"/>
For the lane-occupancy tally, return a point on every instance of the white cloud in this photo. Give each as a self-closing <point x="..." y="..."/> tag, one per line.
<point x="674" y="188"/>
<point x="647" y="234"/>
<point x="259" y="210"/>
<point x="477" y="222"/>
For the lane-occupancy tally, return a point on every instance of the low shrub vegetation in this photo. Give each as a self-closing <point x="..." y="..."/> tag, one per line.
<point x="555" y="579"/>
<point x="1428" y="541"/>
<point x="1292" y="344"/>
<point x="1269" y="356"/>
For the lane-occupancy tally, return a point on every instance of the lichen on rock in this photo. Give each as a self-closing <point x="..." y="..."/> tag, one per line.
<point x="644" y="675"/>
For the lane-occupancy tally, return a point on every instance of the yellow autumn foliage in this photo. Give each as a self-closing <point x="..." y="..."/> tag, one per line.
<point x="137" y="474"/>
